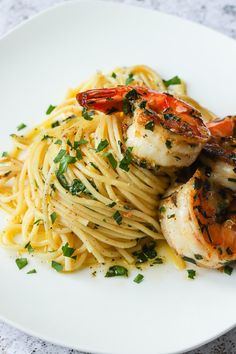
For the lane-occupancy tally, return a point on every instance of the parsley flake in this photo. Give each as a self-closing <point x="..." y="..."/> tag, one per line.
<point x="139" y="278"/>
<point x="50" y="109"/>
<point x="102" y="145"/>
<point x="191" y="273"/>
<point x="21" y="262"/>
<point x="21" y="126"/>
<point x="173" y="81"/>
<point x="116" y="271"/>
<point x="57" y="266"/>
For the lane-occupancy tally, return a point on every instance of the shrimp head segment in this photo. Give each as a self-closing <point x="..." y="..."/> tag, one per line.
<point x="161" y="129"/>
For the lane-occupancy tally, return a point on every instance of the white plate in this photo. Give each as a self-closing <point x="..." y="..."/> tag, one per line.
<point x="166" y="313"/>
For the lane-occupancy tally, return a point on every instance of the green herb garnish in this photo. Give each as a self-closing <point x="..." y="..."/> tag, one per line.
<point x="191" y="273"/>
<point x="188" y="259"/>
<point x="111" y="205"/>
<point x="117" y="217"/>
<point x="59" y="156"/>
<point x="87" y="115"/>
<point x="53" y="217"/>
<point x="29" y="247"/>
<point x="168" y="144"/>
<point x="129" y="79"/>
<point x="4" y="154"/>
<point x="67" y="251"/>
<point x="65" y="161"/>
<point x="162" y="209"/>
<point x="139" y="278"/>
<point x="228" y="269"/>
<point x="113" y="75"/>
<point x="57" y="266"/>
<point x="111" y="159"/>
<point x="58" y="142"/>
<point x="21" y="126"/>
<point x="198" y="256"/>
<point x="102" y="145"/>
<point x="173" y="81"/>
<point x="63" y="181"/>
<point x="116" y="271"/>
<point x="150" y="125"/>
<point x="32" y="271"/>
<point x="55" y="124"/>
<point x="143" y="104"/>
<point x="50" y="109"/>
<point x="37" y="222"/>
<point x="127" y="159"/>
<point x="21" y="262"/>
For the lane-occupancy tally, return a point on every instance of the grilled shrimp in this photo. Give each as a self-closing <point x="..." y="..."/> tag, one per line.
<point x="219" y="154"/>
<point x="198" y="219"/>
<point x="161" y="129"/>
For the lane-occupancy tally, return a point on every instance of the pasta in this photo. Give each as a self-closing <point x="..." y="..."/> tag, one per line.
<point x="67" y="198"/>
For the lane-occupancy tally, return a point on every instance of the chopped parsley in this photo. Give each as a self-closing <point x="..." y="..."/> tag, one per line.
<point x="50" y="109"/>
<point x="139" y="278"/>
<point x="150" y="125"/>
<point x="29" y="247"/>
<point x="80" y="142"/>
<point x="188" y="259"/>
<point x="102" y="145"/>
<point x="55" y="124"/>
<point x="4" y="154"/>
<point x="78" y="186"/>
<point x="197" y="184"/>
<point x="198" y="256"/>
<point x="58" y="142"/>
<point x="32" y="271"/>
<point x="87" y="115"/>
<point x="232" y="179"/>
<point x="143" y="104"/>
<point x="129" y="79"/>
<point x="21" y="126"/>
<point x="67" y="251"/>
<point x="173" y="81"/>
<point x="38" y="221"/>
<point x="94" y="166"/>
<point x="63" y="181"/>
<point x="113" y="75"/>
<point x="57" y="266"/>
<point x="168" y="144"/>
<point x="117" y="217"/>
<point x="111" y="205"/>
<point x="111" y="159"/>
<point x="53" y="217"/>
<point x="147" y="252"/>
<point x="116" y="271"/>
<point x="21" y="262"/>
<point x="46" y="137"/>
<point x="65" y="161"/>
<point x="162" y="209"/>
<point x="124" y="163"/>
<point x="79" y="154"/>
<point x="228" y="269"/>
<point x="59" y="156"/>
<point x="191" y="273"/>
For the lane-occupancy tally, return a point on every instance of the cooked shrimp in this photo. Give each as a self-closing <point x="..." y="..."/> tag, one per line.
<point x="198" y="219"/>
<point x="161" y="129"/>
<point x="219" y="154"/>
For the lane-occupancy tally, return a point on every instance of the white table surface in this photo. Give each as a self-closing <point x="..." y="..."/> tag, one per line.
<point x="217" y="14"/>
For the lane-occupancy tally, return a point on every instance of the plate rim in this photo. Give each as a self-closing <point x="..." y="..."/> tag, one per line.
<point x="9" y="33"/>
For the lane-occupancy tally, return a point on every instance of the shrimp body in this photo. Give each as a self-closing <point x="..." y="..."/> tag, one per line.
<point x="161" y="129"/>
<point x="220" y="152"/>
<point x="198" y="220"/>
